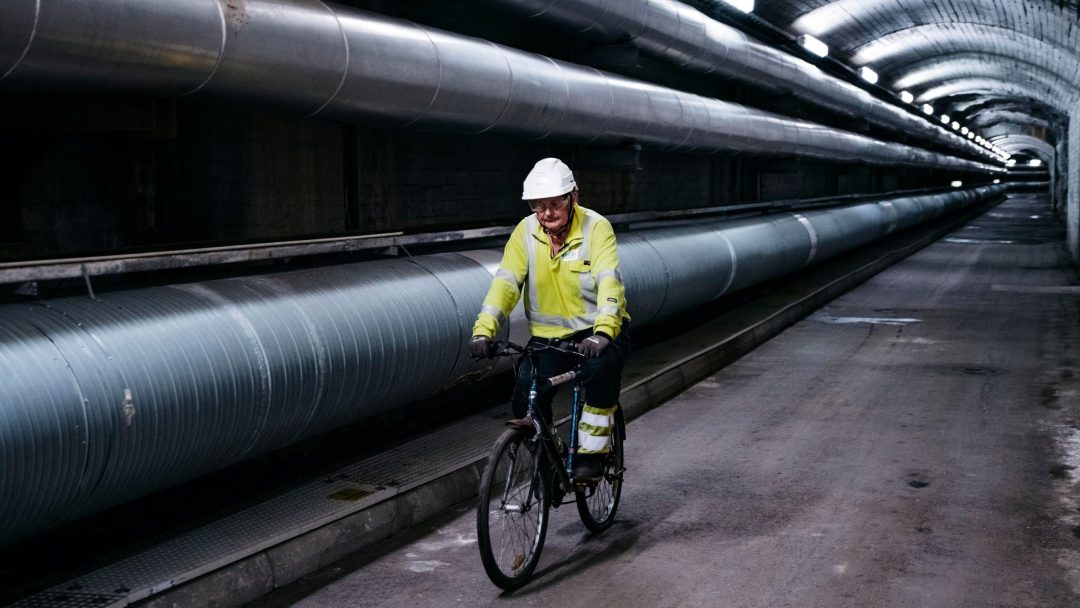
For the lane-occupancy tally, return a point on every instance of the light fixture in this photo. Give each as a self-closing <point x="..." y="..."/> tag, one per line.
<point x="955" y="125"/>
<point x="997" y="181"/>
<point x="971" y="135"/>
<point x="957" y="183"/>
<point x="813" y="45"/>
<point x="1011" y="162"/>
<point x="928" y="109"/>
<point x="746" y="6"/>
<point x="868" y="75"/>
<point x="908" y="98"/>
<point x="964" y="130"/>
<point x="1035" y="162"/>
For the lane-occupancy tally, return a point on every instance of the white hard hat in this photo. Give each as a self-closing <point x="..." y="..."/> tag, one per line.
<point x="549" y="177"/>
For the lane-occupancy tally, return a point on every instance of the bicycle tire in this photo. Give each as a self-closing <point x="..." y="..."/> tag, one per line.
<point x="511" y="534"/>
<point x="598" y="502"/>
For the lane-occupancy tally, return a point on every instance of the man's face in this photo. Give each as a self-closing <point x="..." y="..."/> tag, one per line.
<point x="554" y="211"/>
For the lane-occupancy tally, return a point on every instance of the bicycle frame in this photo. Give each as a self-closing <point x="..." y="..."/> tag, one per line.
<point x="543" y="430"/>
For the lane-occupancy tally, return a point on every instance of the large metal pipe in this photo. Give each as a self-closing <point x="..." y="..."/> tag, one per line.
<point x="316" y="59"/>
<point x="687" y="38"/>
<point x="104" y="400"/>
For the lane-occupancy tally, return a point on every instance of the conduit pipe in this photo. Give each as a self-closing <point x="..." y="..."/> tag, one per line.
<point x="104" y="400"/>
<point x="328" y="61"/>
<point x="685" y="37"/>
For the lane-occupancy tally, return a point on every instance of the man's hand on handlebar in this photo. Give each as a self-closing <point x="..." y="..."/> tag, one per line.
<point x="481" y="347"/>
<point x="594" y="345"/>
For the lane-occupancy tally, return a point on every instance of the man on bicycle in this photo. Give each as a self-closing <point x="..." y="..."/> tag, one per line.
<point x="564" y="257"/>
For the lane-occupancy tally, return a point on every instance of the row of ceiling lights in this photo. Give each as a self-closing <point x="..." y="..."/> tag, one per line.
<point x="819" y="48"/>
<point x="957" y="183"/>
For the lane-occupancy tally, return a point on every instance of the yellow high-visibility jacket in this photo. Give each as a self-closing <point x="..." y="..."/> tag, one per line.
<point x="578" y="289"/>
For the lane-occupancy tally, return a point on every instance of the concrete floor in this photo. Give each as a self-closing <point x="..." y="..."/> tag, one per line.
<point x="911" y="444"/>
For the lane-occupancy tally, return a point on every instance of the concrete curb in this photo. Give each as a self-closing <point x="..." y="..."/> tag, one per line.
<point x="249" y="579"/>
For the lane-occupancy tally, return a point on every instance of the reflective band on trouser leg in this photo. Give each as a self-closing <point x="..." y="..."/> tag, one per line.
<point x="594" y="429"/>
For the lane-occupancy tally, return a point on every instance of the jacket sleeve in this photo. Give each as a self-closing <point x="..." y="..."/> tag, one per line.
<point x="505" y="288"/>
<point x="610" y="294"/>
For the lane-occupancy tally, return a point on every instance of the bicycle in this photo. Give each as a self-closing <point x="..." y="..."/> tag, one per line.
<point x="527" y="474"/>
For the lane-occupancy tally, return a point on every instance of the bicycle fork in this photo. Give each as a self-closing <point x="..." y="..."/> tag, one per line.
<point x="508" y="487"/>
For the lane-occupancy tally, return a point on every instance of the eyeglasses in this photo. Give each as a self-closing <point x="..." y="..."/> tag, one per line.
<point x="539" y="206"/>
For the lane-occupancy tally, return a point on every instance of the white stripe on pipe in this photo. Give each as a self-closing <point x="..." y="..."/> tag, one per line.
<point x="734" y="264"/>
<point x="813" y="237"/>
<point x="893" y="214"/>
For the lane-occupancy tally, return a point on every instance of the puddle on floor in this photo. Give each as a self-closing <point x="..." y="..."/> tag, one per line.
<point x="824" y="318"/>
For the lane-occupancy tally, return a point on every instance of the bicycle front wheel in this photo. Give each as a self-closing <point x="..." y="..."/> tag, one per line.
<point x="512" y="514"/>
<point x="597" y="501"/>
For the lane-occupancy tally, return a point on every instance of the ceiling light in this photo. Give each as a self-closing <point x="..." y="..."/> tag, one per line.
<point x="997" y="181"/>
<point x="908" y="98"/>
<point x="955" y="125"/>
<point x="945" y="119"/>
<point x="868" y="75"/>
<point x="957" y="183"/>
<point x="928" y="109"/>
<point x="1010" y="162"/>
<point x="813" y="45"/>
<point x="964" y="130"/>
<point x="746" y="6"/>
<point x="1035" y="162"/>
<point x="971" y="135"/>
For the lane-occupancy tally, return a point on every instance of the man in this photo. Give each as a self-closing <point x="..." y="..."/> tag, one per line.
<point x="564" y="257"/>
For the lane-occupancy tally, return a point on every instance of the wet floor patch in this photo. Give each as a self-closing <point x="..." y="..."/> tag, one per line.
<point x="824" y="318"/>
<point x="979" y="241"/>
<point x="1048" y="397"/>
<point x="970" y="370"/>
<point x="923" y="341"/>
<point x="1071" y="446"/>
<point x="1040" y="289"/>
<point x="1061" y="471"/>
<point x="918" y="480"/>
<point x="425" y="566"/>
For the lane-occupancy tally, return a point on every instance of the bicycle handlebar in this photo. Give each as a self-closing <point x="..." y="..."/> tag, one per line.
<point x="506" y="349"/>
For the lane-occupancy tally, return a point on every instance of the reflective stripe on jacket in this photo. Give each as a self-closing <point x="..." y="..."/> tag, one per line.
<point x="578" y="289"/>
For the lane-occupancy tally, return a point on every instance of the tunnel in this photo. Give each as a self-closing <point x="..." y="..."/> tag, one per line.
<point x="231" y="227"/>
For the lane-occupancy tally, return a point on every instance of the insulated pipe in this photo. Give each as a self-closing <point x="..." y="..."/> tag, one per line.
<point x="315" y="59"/>
<point x="104" y="400"/>
<point x="685" y="37"/>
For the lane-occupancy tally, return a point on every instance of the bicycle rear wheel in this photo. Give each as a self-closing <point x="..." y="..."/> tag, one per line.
<point x="512" y="513"/>
<point x="598" y="501"/>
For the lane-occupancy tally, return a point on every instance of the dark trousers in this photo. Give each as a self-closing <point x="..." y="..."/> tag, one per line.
<point x="603" y="375"/>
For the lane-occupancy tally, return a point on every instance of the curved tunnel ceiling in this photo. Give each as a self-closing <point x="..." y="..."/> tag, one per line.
<point x="1025" y="145"/>
<point x="996" y="118"/>
<point x="1009" y="65"/>
<point x="924" y="73"/>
